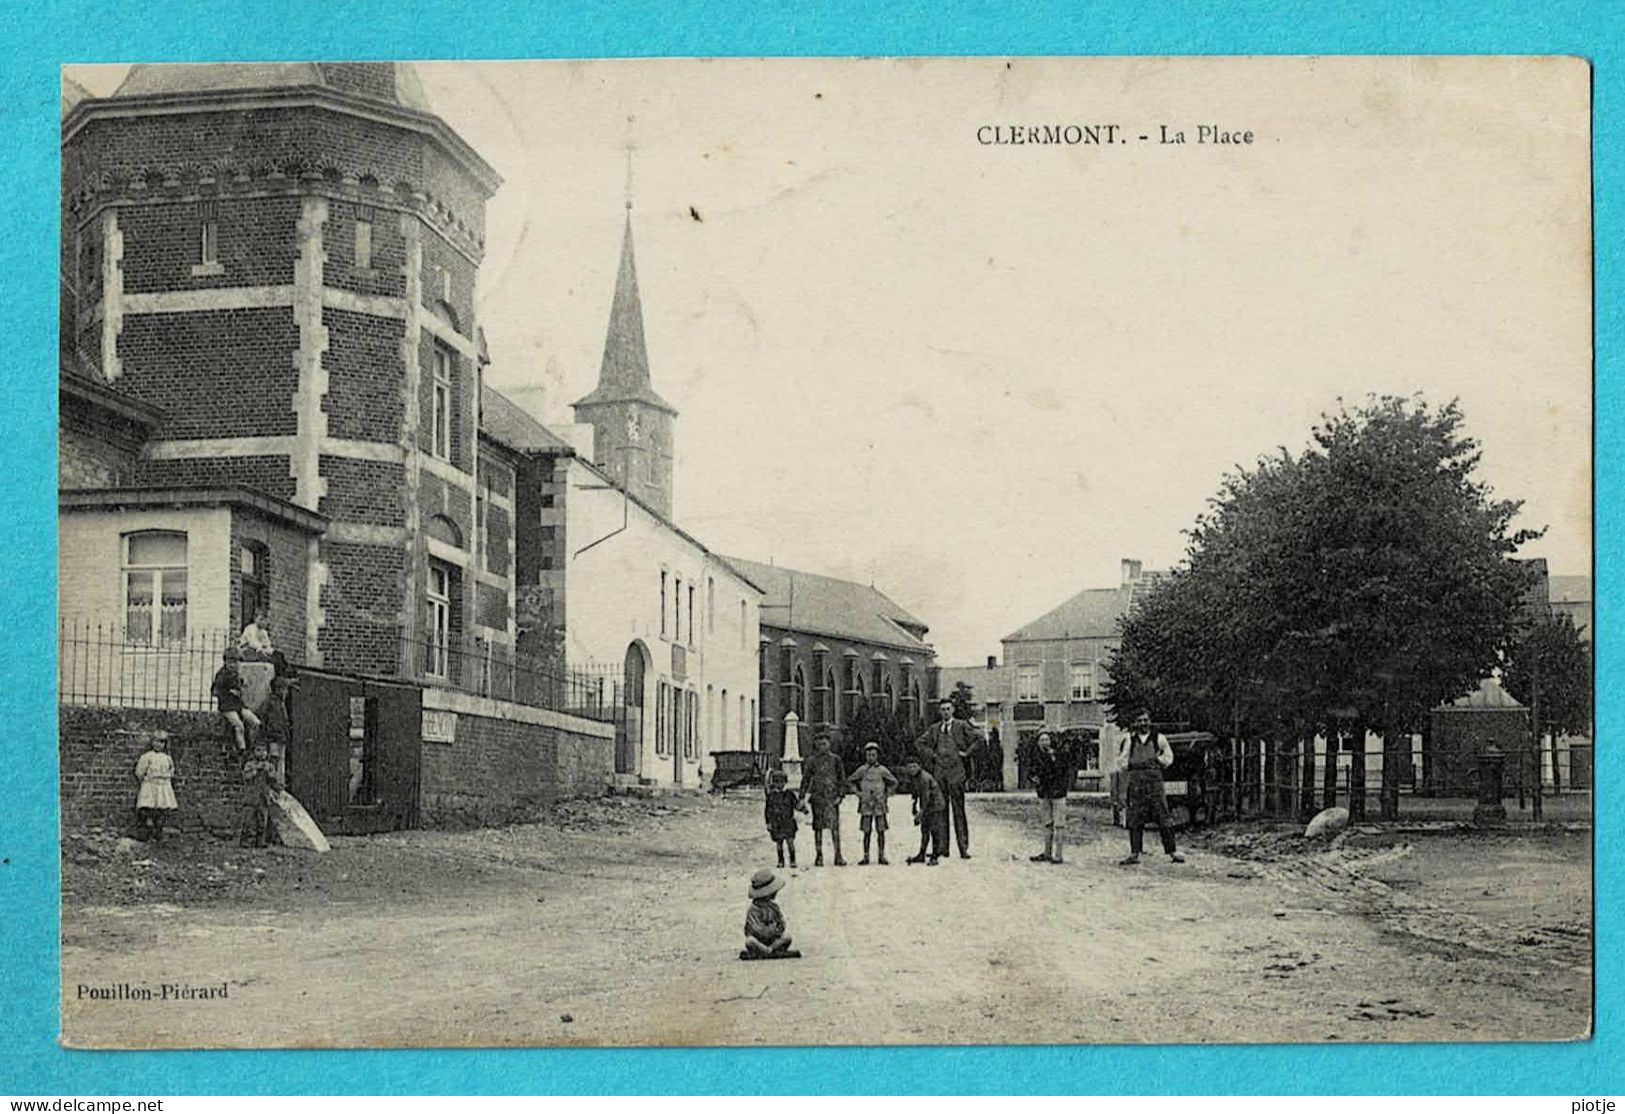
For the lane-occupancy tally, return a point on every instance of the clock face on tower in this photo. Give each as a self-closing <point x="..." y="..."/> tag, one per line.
<point x="634" y="429"/>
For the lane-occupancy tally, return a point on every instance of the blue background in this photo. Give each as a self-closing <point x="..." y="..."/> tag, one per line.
<point x="38" y="38"/>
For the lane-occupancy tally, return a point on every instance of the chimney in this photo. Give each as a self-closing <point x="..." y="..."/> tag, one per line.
<point x="1131" y="571"/>
<point x="992" y="662"/>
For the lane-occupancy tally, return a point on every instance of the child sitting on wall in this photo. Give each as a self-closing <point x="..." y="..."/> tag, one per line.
<point x="227" y="688"/>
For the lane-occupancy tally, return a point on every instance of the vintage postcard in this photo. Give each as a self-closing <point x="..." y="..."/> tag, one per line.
<point x="826" y="552"/>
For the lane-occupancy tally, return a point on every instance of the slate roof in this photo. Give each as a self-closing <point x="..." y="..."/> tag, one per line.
<point x="826" y="605"/>
<point x="1092" y="613"/>
<point x="624" y="373"/>
<point x="505" y="422"/>
<point x="394" y="82"/>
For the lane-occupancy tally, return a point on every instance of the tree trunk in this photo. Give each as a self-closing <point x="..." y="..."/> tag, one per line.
<point x="1306" y="776"/>
<point x="1272" y="776"/>
<point x="1390" y="773"/>
<point x="1557" y="776"/>
<point x="1357" y="773"/>
<point x="1334" y="742"/>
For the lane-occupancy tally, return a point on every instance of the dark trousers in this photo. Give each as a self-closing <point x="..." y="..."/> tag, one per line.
<point x="956" y="805"/>
<point x="1136" y="839"/>
<point x="934" y="834"/>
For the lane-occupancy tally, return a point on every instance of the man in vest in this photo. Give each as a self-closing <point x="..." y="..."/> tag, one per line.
<point x="1143" y="755"/>
<point x="943" y="748"/>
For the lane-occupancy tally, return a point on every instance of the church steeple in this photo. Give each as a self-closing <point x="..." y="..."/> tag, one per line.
<point x="632" y="424"/>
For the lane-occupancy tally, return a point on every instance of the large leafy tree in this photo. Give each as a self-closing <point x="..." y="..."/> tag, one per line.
<point x="1358" y="583"/>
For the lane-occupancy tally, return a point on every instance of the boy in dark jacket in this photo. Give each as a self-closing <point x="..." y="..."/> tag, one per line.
<point x="930" y="813"/>
<point x="260" y="786"/>
<point x="823" y="782"/>
<point x="780" y="814"/>
<point x="227" y="690"/>
<point x="1054" y="769"/>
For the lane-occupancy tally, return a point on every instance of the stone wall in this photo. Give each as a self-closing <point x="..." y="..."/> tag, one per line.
<point x="508" y="764"/>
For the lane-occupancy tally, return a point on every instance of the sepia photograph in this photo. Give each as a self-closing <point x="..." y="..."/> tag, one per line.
<point x="826" y="551"/>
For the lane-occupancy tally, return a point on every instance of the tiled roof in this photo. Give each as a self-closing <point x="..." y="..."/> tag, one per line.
<point x="1092" y="613"/>
<point x="826" y="605"/>
<point x="396" y="82"/>
<point x="504" y="421"/>
<point x="1489" y="696"/>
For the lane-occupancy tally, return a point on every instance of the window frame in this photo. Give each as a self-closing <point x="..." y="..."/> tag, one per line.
<point x="1075" y="691"/>
<point x="1034" y="693"/>
<point x="156" y="638"/>
<point x="259" y="580"/>
<point x="441" y="404"/>
<point x="437" y="613"/>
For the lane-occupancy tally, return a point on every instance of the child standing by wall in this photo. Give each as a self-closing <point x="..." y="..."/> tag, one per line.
<point x="260" y="785"/>
<point x="874" y="782"/>
<point x="155" y="799"/>
<point x="227" y="688"/>
<point x="780" y="814"/>
<point x="767" y="936"/>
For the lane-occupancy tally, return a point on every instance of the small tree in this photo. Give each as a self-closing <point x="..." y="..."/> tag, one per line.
<point x="1553" y="651"/>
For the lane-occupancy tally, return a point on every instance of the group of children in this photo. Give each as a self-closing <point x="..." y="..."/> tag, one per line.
<point x="261" y="741"/>
<point x="824" y="783"/>
<point x="1143" y="755"/>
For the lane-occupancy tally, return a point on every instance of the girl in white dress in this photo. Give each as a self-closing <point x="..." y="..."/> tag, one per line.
<point x="155" y="801"/>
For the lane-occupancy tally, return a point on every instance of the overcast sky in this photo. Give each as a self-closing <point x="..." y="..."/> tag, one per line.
<point x="981" y="375"/>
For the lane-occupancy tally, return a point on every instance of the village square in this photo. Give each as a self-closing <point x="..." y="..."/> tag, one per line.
<point x="403" y="703"/>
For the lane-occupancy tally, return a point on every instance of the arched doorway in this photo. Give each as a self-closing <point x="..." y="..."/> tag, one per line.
<point x="629" y="734"/>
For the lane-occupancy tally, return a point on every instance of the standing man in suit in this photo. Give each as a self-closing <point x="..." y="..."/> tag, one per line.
<point x="943" y="748"/>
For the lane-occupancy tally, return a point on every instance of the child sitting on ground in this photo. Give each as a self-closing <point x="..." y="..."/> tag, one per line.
<point x="780" y="814"/>
<point x="873" y="782"/>
<point x="155" y="800"/>
<point x="930" y="813"/>
<point x="227" y="688"/>
<point x="260" y="786"/>
<point x="766" y="934"/>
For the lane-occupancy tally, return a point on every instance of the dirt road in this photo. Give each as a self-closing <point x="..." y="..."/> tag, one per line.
<point x="622" y="927"/>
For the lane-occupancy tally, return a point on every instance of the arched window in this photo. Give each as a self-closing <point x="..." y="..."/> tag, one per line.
<point x="829" y="713"/>
<point x="155" y="587"/>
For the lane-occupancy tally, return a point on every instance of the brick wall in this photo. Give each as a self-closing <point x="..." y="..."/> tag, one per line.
<point x="440" y="256"/>
<point x="386" y="276"/>
<point x="361" y="605"/>
<point x="502" y="771"/>
<point x="256" y="243"/>
<point x="223" y="373"/>
<point x="267" y="473"/>
<point x="364" y="376"/>
<point x="436" y="496"/>
<point x="366" y="491"/>
<point x="97" y="752"/>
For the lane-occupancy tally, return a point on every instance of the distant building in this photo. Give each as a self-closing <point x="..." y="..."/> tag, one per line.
<point x="828" y="644"/>
<point x="1056" y="666"/>
<point x="1571" y="596"/>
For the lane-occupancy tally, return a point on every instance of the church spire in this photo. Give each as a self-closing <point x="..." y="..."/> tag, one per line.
<point x="623" y="375"/>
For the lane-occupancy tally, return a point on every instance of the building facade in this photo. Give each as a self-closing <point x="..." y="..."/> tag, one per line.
<point x="828" y="646"/>
<point x="281" y="259"/>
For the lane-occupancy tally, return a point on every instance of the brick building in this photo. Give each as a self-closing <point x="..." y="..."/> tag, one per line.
<point x="828" y="644"/>
<point x="280" y="260"/>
